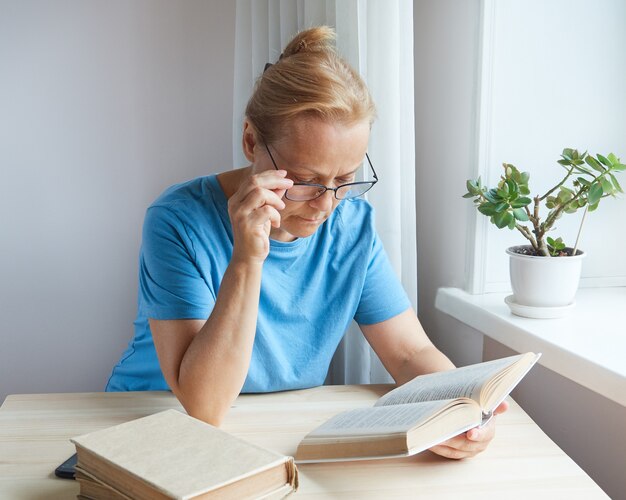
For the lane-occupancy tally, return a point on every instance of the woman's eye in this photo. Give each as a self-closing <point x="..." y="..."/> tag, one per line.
<point x="348" y="180"/>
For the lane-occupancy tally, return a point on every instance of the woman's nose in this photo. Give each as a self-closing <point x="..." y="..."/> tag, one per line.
<point x="325" y="202"/>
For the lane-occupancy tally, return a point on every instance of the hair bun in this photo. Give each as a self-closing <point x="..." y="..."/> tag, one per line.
<point x="318" y="39"/>
<point x="311" y="81"/>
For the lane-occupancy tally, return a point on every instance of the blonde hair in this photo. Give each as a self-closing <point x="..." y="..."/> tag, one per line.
<point x="309" y="80"/>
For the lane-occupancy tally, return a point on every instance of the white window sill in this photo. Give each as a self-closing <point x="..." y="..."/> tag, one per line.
<point x="588" y="346"/>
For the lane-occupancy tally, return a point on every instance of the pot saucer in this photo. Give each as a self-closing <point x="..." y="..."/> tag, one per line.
<point x="538" y="312"/>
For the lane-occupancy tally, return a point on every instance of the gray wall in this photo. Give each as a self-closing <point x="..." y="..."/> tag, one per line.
<point x="590" y="428"/>
<point x="103" y="104"/>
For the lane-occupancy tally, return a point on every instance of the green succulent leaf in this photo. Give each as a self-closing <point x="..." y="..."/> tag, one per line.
<point x="502" y="219"/>
<point x="613" y="159"/>
<point x="603" y="160"/>
<point x="555" y="246"/>
<point x="619" y="167"/>
<point x="593" y="163"/>
<point x="565" y="195"/>
<point x="520" y="214"/>
<point x="513" y="189"/>
<point x="583" y="181"/>
<point x="502" y="206"/>
<point x="487" y="209"/>
<point x="616" y="184"/>
<point x="503" y="190"/>
<point x="492" y="196"/>
<point x="593" y="207"/>
<point x="521" y="202"/>
<point x="595" y="193"/>
<point x="607" y="187"/>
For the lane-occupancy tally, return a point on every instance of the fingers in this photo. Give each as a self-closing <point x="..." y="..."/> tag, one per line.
<point x="502" y="407"/>
<point x="259" y="197"/>
<point x="269" y="181"/>
<point x="264" y="214"/>
<point x="454" y="453"/>
<point x="253" y="210"/>
<point x="258" y="200"/>
<point x="468" y="444"/>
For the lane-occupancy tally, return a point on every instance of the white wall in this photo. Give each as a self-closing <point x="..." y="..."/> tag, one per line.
<point x="535" y="111"/>
<point x="102" y="105"/>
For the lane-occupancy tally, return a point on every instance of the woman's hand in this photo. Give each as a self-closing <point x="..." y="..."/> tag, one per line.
<point x="472" y="442"/>
<point x="253" y="210"/>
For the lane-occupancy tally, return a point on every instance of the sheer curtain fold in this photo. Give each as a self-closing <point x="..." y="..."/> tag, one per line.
<point x="377" y="39"/>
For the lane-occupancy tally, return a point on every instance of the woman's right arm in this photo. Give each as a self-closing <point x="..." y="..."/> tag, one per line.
<point x="205" y="363"/>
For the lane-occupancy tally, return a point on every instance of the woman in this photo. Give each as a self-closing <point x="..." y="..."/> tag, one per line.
<point x="249" y="279"/>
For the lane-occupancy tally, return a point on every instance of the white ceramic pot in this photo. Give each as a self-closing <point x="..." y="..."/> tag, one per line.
<point x="544" y="281"/>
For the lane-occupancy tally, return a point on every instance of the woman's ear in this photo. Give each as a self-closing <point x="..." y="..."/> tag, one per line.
<point x="248" y="140"/>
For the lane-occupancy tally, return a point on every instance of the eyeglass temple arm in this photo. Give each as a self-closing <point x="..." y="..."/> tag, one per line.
<point x="271" y="157"/>
<point x="371" y="166"/>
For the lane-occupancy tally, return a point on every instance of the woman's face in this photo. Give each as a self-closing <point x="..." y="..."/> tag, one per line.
<point x="316" y="152"/>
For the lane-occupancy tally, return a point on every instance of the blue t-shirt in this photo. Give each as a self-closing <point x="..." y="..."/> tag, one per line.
<point x="311" y="288"/>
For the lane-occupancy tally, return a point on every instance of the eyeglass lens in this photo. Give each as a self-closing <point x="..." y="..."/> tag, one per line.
<point x="309" y="192"/>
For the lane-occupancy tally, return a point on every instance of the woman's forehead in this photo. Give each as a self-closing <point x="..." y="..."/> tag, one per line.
<point x="311" y="129"/>
<point x="312" y="144"/>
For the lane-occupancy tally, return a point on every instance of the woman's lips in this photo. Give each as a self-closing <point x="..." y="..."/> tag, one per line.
<point x="316" y="220"/>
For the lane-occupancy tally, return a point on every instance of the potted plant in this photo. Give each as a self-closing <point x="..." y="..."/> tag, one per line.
<point x="545" y="272"/>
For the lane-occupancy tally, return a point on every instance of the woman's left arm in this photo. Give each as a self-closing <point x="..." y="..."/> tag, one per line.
<point x="406" y="352"/>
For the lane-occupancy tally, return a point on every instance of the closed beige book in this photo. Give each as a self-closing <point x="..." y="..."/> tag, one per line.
<point x="93" y="489"/>
<point x="419" y="414"/>
<point x="172" y="455"/>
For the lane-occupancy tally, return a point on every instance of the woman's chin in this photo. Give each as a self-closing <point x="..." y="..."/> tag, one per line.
<point x="291" y="231"/>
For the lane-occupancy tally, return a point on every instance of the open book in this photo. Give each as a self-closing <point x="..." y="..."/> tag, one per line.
<point x="419" y="414"/>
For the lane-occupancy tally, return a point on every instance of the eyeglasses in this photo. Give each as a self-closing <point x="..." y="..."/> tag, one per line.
<point x="305" y="191"/>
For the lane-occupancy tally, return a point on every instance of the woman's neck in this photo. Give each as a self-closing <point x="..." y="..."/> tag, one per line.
<point x="232" y="179"/>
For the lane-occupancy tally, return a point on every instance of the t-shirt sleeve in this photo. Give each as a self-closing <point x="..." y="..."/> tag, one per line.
<point x="170" y="284"/>
<point x="383" y="296"/>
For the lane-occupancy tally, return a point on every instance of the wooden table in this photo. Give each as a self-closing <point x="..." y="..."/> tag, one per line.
<point x="521" y="462"/>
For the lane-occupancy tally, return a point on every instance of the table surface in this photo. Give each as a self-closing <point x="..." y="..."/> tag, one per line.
<point x="587" y="346"/>
<point x="521" y="462"/>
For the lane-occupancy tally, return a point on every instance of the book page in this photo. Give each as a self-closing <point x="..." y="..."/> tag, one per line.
<point x="379" y="420"/>
<point x="466" y="382"/>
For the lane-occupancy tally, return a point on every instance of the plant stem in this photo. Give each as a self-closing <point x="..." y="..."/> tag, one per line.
<point x="569" y="173"/>
<point x="580" y="230"/>
<point x="528" y="235"/>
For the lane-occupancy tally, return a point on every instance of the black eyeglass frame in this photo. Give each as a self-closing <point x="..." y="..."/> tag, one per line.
<point x="323" y="188"/>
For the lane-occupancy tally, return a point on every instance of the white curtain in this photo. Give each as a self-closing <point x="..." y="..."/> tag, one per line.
<point x="376" y="38"/>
